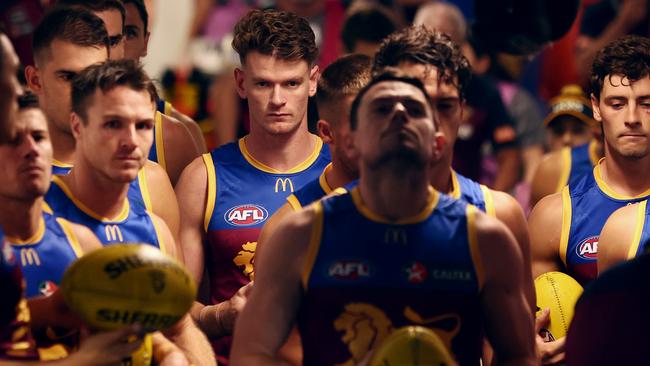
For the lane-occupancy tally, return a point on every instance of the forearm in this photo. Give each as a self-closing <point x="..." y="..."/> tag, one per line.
<point x="212" y="319"/>
<point x="192" y="342"/>
<point x="508" y="173"/>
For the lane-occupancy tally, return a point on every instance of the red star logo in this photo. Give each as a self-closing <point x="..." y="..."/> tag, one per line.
<point x="416" y="273"/>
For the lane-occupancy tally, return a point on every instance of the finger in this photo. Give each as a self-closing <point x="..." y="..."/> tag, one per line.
<point x="543" y="320"/>
<point x="120" y="351"/>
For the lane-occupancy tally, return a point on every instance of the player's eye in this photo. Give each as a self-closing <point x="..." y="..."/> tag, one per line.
<point x="115" y="40"/>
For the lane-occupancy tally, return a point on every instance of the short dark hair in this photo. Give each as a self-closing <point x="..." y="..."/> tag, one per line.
<point x="277" y="33"/>
<point x="387" y="74"/>
<point x="370" y="22"/>
<point x="142" y="10"/>
<point x="628" y="56"/>
<point x="106" y="76"/>
<point x="422" y="46"/>
<point x="77" y="26"/>
<point x="97" y="5"/>
<point x="343" y="77"/>
<point x="28" y="100"/>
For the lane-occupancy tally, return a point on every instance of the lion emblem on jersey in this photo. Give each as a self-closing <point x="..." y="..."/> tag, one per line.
<point x="246" y="259"/>
<point x="365" y="326"/>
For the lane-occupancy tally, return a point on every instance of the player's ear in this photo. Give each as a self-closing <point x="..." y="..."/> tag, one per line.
<point x="439" y="145"/>
<point x="239" y="83"/>
<point x="314" y="75"/>
<point x="75" y="124"/>
<point x="146" y="44"/>
<point x="596" y="108"/>
<point x="33" y="77"/>
<point x="325" y="131"/>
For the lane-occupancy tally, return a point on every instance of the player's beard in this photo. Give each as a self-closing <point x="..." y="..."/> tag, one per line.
<point x="400" y="160"/>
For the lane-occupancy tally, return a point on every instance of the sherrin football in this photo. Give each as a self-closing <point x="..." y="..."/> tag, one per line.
<point x="558" y="292"/>
<point x="122" y="284"/>
<point x="412" y="345"/>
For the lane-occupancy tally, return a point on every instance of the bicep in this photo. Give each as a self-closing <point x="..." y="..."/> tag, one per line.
<point x="87" y="239"/>
<point x="270" y="227"/>
<point x="192" y="189"/>
<point x="545" y="231"/>
<point x="166" y="239"/>
<point x="163" y="198"/>
<point x="616" y="238"/>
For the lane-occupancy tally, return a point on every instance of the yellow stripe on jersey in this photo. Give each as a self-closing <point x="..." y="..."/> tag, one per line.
<point x="267" y="169"/>
<point x="212" y="189"/>
<point x="489" y="201"/>
<point x="294" y="203"/>
<point x="610" y="192"/>
<point x="566" y="168"/>
<point x="168" y="108"/>
<point x="455" y="186"/>
<point x="593" y="152"/>
<point x="472" y="239"/>
<point x="38" y="235"/>
<point x="144" y="189"/>
<point x="47" y="208"/>
<point x="61" y="164"/>
<point x="364" y="210"/>
<point x="322" y="180"/>
<point x="72" y="238"/>
<point x="314" y="243"/>
<point x="640" y="222"/>
<point x="120" y="217"/>
<point x="566" y="223"/>
<point x="161" y="242"/>
<point x="160" y="145"/>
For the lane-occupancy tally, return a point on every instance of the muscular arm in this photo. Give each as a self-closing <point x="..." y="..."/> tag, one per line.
<point x="276" y="297"/>
<point x="545" y="227"/>
<point x="547" y="176"/>
<point x="509" y="161"/>
<point x="193" y="128"/>
<point x="168" y="245"/>
<point x="617" y="237"/>
<point x="271" y="226"/>
<point x="180" y="147"/>
<point x="163" y="198"/>
<point x="508" y="320"/>
<point x="87" y="239"/>
<point x="510" y="213"/>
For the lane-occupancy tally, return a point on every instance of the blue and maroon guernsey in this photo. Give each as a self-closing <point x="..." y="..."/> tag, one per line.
<point x="242" y="194"/>
<point x="577" y="161"/>
<point x="312" y="191"/>
<point x="641" y="237"/>
<point x="586" y="206"/>
<point x="133" y="225"/>
<point x="365" y="277"/>
<point x="472" y="192"/>
<point x="45" y="257"/>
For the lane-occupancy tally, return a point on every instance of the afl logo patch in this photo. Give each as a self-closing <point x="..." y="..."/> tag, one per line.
<point x="246" y="215"/>
<point x="588" y="248"/>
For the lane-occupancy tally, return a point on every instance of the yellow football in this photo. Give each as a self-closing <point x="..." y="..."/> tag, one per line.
<point x="558" y="292"/>
<point x="123" y="284"/>
<point x="412" y="345"/>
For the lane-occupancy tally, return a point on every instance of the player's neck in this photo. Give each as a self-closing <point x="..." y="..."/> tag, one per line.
<point x="103" y="196"/>
<point x="628" y="177"/>
<point x="21" y="219"/>
<point x="63" y="145"/>
<point x="395" y="193"/>
<point x="282" y="152"/>
<point x="441" y="174"/>
<point x="340" y="174"/>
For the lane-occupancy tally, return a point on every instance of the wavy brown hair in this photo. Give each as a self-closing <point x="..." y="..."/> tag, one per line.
<point x="627" y="56"/>
<point x="277" y="33"/>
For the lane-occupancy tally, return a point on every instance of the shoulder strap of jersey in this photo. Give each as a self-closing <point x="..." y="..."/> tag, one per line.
<point x="472" y="240"/>
<point x="212" y="189"/>
<point x="314" y="242"/>
<point x="565" y="155"/>
<point x="638" y="230"/>
<point x="71" y="236"/>
<point x="566" y="223"/>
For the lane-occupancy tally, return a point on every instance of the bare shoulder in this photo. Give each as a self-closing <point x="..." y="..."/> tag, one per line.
<point x="547" y="211"/>
<point x="87" y="239"/>
<point x="618" y="235"/>
<point x="294" y="230"/>
<point x="505" y="205"/>
<point x="548" y="175"/>
<point x="154" y="171"/>
<point x="492" y="234"/>
<point x="194" y="178"/>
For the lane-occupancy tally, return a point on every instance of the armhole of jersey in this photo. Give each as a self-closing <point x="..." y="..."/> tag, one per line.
<point x="566" y="169"/>
<point x="144" y="189"/>
<point x="472" y="239"/>
<point x="72" y="238"/>
<point x="640" y="223"/>
<point x="161" y="242"/>
<point x="168" y="108"/>
<point x="160" y="145"/>
<point x="212" y="190"/>
<point x="47" y="208"/>
<point x="489" y="201"/>
<point x="314" y="243"/>
<point x="566" y="224"/>
<point x="294" y="203"/>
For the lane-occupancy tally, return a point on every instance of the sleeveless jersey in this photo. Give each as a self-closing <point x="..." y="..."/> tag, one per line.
<point x="60" y="168"/>
<point x="471" y="192"/>
<point x="132" y="225"/>
<point x="45" y="256"/>
<point x="365" y="277"/>
<point x="641" y="236"/>
<point x="313" y="191"/>
<point x="242" y="194"/>
<point x="157" y="151"/>
<point x="138" y="189"/>
<point x="586" y="206"/>
<point x="16" y="342"/>
<point x="576" y="162"/>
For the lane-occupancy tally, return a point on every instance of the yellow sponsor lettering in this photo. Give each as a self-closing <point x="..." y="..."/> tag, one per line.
<point x="283" y="182"/>
<point x="113" y="233"/>
<point x="29" y="257"/>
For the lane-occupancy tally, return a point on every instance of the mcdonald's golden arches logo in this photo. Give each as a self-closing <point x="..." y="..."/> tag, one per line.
<point x="395" y="236"/>
<point x="284" y="183"/>
<point x="29" y="256"/>
<point x="113" y="233"/>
